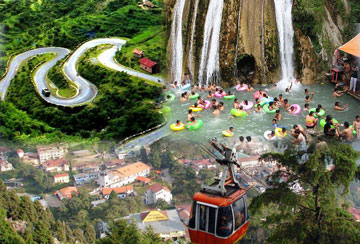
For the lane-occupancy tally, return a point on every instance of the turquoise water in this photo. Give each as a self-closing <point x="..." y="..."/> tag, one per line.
<point x="255" y="124"/>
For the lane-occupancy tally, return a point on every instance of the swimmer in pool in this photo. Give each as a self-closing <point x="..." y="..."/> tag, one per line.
<point x="278" y="115"/>
<point x="192" y="122"/>
<point x="309" y="98"/>
<point x="210" y="95"/>
<point x="291" y="110"/>
<point x="306" y="107"/>
<point x="338" y="106"/>
<point x="286" y="104"/>
<point x="356" y="126"/>
<point x="179" y="124"/>
<point x="257" y="108"/>
<point x="274" y="124"/>
<point x="216" y="110"/>
<point x="347" y="133"/>
<point x="183" y="98"/>
<point x="236" y="103"/>
<point x="282" y="132"/>
<point x="190" y="115"/>
<point x="230" y="131"/>
<point x="271" y="135"/>
<point x="214" y="102"/>
<point x="221" y="106"/>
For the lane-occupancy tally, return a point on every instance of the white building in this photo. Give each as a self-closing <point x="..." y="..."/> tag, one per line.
<point x="5" y="166"/>
<point x="157" y="192"/>
<point x="123" y="175"/>
<point x="251" y="161"/>
<point x="56" y="165"/>
<point x="51" y="152"/>
<point x="61" y="178"/>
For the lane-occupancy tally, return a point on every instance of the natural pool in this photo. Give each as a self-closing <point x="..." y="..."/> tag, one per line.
<point x="255" y="124"/>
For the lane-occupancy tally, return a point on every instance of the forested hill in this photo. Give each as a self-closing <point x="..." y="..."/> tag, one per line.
<point x="28" y="24"/>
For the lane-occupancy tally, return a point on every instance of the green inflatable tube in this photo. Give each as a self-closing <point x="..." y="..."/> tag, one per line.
<point x="321" y="113"/>
<point x="229" y="97"/>
<point x="266" y="109"/>
<point x="354" y="131"/>
<point x="323" y="122"/>
<point x="198" y="125"/>
<point x="172" y="97"/>
<point x="165" y="109"/>
<point x="238" y="113"/>
<point x="196" y="96"/>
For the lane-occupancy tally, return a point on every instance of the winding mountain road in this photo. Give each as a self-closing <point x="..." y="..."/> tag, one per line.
<point x="86" y="90"/>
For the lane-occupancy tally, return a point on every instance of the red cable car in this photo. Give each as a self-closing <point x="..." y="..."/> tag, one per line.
<point x="219" y="212"/>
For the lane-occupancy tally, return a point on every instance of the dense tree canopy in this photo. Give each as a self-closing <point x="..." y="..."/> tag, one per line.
<point x="304" y="196"/>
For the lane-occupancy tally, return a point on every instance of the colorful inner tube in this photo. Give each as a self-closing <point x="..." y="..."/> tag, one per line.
<point x="229" y="97"/>
<point x="242" y="88"/>
<point x="278" y="133"/>
<point x="172" y="97"/>
<point x="227" y="134"/>
<point x="175" y="127"/>
<point x="323" y="122"/>
<point x="266" y="109"/>
<point x="195" y="109"/>
<point x="297" y="109"/>
<point x="165" y="109"/>
<point x="198" y="125"/>
<point x="184" y="87"/>
<point x="321" y="113"/>
<point x="217" y="94"/>
<point x="207" y="104"/>
<point x="196" y="96"/>
<point x="238" y="113"/>
<point x="247" y="107"/>
<point x="267" y="134"/>
<point x="257" y="94"/>
<point x="354" y="131"/>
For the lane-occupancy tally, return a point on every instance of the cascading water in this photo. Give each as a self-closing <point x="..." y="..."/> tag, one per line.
<point x="263" y="40"/>
<point x="177" y="42"/>
<point x="236" y="72"/>
<point x="283" y="9"/>
<point x="209" y="62"/>
<point x="192" y="37"/>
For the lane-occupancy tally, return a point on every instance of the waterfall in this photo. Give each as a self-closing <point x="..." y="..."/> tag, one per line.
<point x="263" y="41"/>
<point x="177" y="42"/>
<point x="209" y="62"/>
<point x="192" y="38"/>
<point x="283" y="9"/>
<point x="236" y="73"/>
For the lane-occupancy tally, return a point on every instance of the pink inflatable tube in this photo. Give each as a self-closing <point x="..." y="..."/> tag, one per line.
<point x="217" y="94"/>
<point x="257" y="94"/>
<point x="247" y="107"/>
<point x="207" y="104"/>
<point x="243" y="88"/>
<point x="297" y="109"/>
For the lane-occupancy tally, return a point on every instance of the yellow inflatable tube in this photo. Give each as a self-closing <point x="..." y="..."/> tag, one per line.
<point x="175" y="127"/>
<point x="227" y="134"/>
<point x="195" y="109"/>
<point x="278" y="133"/>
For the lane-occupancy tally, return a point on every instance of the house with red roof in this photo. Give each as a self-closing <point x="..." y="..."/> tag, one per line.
<point x="156" y="192"/>
<point x="66" y="192"/>
<point x="138" y="53"/>
<point x="149" y="65"/>
<point x="143" y="180"/>
<point x="56" y="165"/>
<point x="61" y="178"/>
<point x="122" y="191"/>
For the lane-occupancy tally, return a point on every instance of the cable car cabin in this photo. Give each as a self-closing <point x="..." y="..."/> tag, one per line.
<point x="219" y="212"/>
<point x="219" y="219"/>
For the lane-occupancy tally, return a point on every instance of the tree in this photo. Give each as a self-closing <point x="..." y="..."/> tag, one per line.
<point x="89" y="233"/>
<point x="60" y="231"/>
<point x="207" y="176"/>
<point x="7" y="234"/>
<point x="304" y="197"/>
<point x="143" y="155"/>
<point x="113" y="195"/>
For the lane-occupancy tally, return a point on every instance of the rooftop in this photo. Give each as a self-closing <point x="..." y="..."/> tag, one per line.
<point x="143" y="179"/>
<point x="118" y="190"/>
<point x="61" y="175"/>
<point x="157" y="187"/>
<point x="247" y="159"/>
<point x="68" y="190"/>
<point x="132" y="169"/>
<point x="147" y="62"/>
<point x="55" y="163"/>
<point x="49" y="147"/>
<point x="137" y="51"/>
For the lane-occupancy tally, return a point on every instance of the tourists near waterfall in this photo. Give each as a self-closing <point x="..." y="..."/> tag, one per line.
<point x="281" y="99"/>
<point x="257" y="108"/>
<point x="338" y="107"/>
<point x="241" y="109"/>
<point x="356" y="126"/>
<point x="321" y="144"/>
<point x="236" y="103"/>
<point x="309" y="98"/>
<point x="282" y="132"/>
<point x="274" y="124"/>
<point x="214" y="102"/>
<point x="299" y="140"/>
<point x="241" y="144"/>
<point x="354" y="78"/>
<point x="288" y="89"/>
<point x="230" y="131"/>
<point x="187" y="79"/>
<point x="306" y="107"/>
<point x="213" y="87"/>
<point x="276" y="102"/>
<point x="271" y="135"/>
<point x="197" y="87"/>
<point x="307" y="92"/>
<point x="319" y="106"/>
<point x="183" y="97"/>
<point x="271" y="106"/>
<point x="337" y="92"/>
<point x="330" y="128"/>
<point x="286" y="104"/>
<point x="208" y="88"/>
<point x="210" y="95"/>
<point x="175" y="85"/>
<point x="221" y="106"/>
<point x="201" y="102"/>
<point x="250" y="88"/>
<point x="301" y="129"/>
<point x="193" y="89"/>
<point x="202" y="89"/>
<point x="216" y="110"/>
<point x="190" y="115"/>
<point x="179" y="124"/>
<point x="249" y="144"/>
<point x="317" y="112"/>
<point x="347" y="133"/>
<point x="278" y="115"/>
<point x="192" y="122"/>
<point x="310" y="120"/>
<point x="187" y="95"/>
<point x="291" y="110"/>
<point x="257" y="101"/>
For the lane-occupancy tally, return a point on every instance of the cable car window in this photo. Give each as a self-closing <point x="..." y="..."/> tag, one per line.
<point x="247" y="216"/>
<point x="192" y="216"/>
<point x="202" y="217"/>
<point x="224" y="222"/>
<point x="212" y="215"/>
<point x="239" y="212"/>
